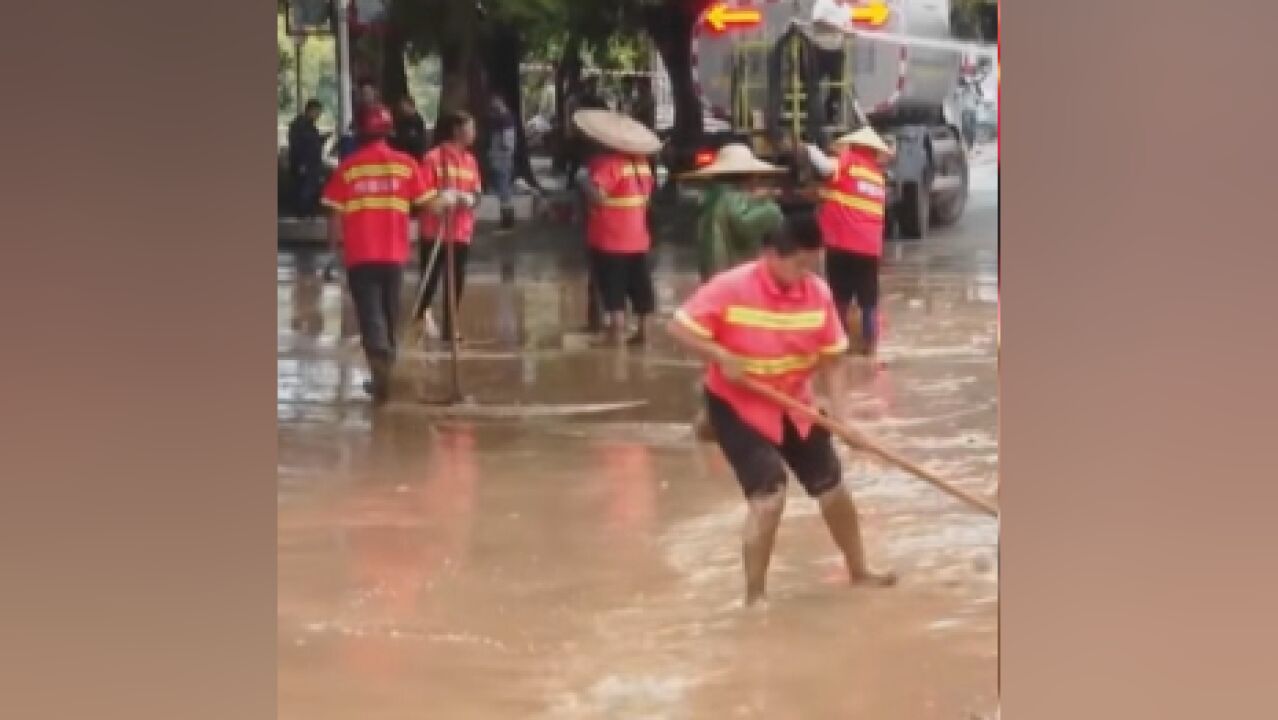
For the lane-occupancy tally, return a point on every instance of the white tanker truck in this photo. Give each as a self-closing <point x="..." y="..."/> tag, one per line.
<point x="774" y="80"/>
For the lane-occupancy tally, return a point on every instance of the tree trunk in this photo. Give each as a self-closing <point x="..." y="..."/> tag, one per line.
<point x="457" y="58"/>
<point x="506" y="51"/>
<point x="567" y="80"/>
<point x="454" y="87"/>
<point x="477" y="98"/>
<point x="671" y="31"/>
<point x="394" y="74"/>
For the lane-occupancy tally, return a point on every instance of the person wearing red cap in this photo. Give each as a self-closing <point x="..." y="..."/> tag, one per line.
<point x="370" y="197"/>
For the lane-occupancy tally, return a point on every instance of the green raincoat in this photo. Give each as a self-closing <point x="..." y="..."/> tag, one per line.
<point x="731" y="227"/>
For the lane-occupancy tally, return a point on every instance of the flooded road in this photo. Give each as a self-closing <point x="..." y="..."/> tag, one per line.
<point x="588" y="566"/>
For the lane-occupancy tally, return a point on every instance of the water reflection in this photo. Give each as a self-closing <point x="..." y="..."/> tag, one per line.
<point x="632" y="493"/>
<point x="406" y="527"/>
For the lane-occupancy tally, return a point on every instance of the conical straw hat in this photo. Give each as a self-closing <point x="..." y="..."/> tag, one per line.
<point x="865" y="137"/>
<point x="617" y="132"/>
<point x="735" y="159"/>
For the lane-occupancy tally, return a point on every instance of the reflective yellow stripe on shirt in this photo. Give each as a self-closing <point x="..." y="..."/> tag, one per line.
<point x="377" y="170"/>
<point x="779" y="365"/>
<point x="769" y="320"/>
<point x="838" y="348"/>
<point x="869" y="206"/>
<point x="625" y="201"/>
<point x="376" y="203"/>
<point x="697" y="328"/>
<point x="458" y="173"/>
<point x="865" y="174"/>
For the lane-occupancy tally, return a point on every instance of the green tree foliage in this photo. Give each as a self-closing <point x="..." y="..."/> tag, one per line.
<point x="974" y="20"/>
<point x="283" y="79"/>
<point x="319" y="74"/>
<point x="548" y="31"/>
<point x="446" y="53"/>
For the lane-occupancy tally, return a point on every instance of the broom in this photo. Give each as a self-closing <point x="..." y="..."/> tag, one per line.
<point x="857" y="440"/>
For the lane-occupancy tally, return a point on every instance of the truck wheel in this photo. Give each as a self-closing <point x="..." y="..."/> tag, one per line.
<point x="948" y="212"/>
<point x="915" y="212"/>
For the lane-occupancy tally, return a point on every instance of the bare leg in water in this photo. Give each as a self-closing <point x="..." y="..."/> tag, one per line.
<point x="640" y="338"/>
<point x="615" y="329"/>
<point x="841" y="518"/>
<point x="762" y="520"/>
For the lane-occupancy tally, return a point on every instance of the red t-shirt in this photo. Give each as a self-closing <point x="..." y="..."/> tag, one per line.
<point x="374" y="190"/>
<point x="851" y="211"/>
<point x="619" y="224"/>
<point x="450" y="167"/>
<point x="781" y="334"/>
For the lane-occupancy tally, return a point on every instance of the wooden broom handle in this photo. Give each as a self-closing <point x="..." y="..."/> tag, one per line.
<point x="857" y="440"/>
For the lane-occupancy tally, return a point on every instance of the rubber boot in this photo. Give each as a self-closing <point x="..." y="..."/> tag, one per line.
<point x="378" y="387"/>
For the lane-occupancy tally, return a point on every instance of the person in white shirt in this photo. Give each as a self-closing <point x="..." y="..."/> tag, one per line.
<point x="835" y="13"/>
<point x="830" y="19"/>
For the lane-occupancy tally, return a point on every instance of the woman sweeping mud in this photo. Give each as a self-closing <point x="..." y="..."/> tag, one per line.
<point x="775" y="321"/>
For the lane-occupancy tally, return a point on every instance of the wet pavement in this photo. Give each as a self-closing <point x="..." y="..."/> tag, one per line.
<point x="587" y="566"/>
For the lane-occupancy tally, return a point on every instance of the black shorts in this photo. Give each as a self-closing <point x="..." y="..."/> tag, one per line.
<point x="621" y="277"/>
<point x="852" y="276"/>
<point x="760" y="465"/>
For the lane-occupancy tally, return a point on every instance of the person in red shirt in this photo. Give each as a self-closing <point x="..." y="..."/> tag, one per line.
<point x="450" y="170"/>
<point x="851" y="216"/>
<point x="369" y="197"/>
<point x="617" y="184"/>
<point x="775" y="321"/>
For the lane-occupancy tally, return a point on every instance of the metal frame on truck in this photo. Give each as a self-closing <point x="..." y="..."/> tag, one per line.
<point x="772" y="74"/>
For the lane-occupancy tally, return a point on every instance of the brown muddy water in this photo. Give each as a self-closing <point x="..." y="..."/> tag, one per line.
<point x="587" y="566"/>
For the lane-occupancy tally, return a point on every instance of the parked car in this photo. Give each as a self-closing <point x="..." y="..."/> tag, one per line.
<point x="986" y="120"/>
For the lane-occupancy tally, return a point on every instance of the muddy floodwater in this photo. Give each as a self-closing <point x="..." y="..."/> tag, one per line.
<point x="587" y="566"/>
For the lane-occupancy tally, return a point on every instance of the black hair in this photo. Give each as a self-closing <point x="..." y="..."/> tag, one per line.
<point x="448" y="125"/>
<point x="799" y="231"/>
<point x="313" y="104"/>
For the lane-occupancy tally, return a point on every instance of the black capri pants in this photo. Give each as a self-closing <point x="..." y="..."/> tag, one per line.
<point x="621" y="277"/>
<point x="760" y="465"/>
<point x="852" y="276"/>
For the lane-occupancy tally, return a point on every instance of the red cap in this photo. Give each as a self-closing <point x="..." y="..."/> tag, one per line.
<point x="376" y="121"/>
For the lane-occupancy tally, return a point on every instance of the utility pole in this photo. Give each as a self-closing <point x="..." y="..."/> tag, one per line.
<point x="299" y="41"/>
<point x="344" y="101"/>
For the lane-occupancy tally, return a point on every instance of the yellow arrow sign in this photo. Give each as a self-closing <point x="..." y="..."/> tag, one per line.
<point x="721" y="16"/>
<point x="876" y="13"/>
